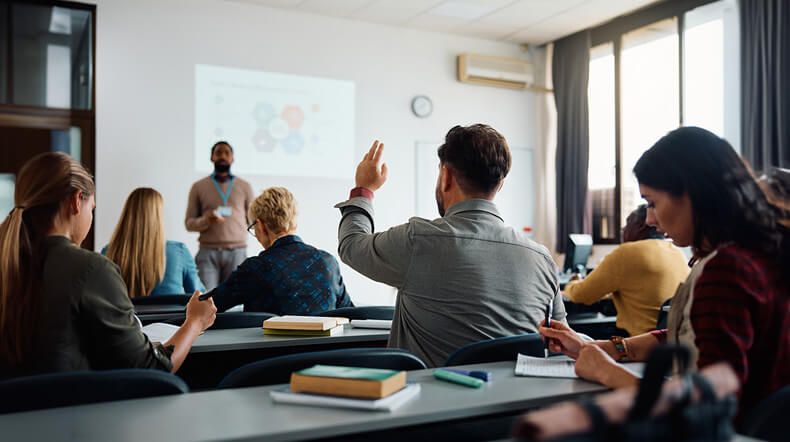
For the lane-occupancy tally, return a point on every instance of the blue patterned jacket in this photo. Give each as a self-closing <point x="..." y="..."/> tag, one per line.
<point x="288" y="278"/>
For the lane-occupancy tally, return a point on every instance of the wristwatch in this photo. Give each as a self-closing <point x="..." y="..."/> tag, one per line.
<point x="622" y="350"/>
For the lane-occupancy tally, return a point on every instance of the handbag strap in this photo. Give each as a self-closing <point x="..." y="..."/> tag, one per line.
<point x="659" y="364"/>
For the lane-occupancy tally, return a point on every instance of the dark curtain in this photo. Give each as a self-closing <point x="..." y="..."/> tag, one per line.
<point x="765" y="80"/>
<point x="570" y="69"/>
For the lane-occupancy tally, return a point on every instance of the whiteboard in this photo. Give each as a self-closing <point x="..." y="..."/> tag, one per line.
<point x="516" y="200"/>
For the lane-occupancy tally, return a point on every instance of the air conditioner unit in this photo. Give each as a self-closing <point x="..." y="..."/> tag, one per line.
<point x="495" y="71"/>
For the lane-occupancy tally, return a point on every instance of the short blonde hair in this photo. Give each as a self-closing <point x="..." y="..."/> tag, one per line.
<point x="276" y="208"/>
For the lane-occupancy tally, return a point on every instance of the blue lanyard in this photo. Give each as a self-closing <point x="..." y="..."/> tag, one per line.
<point x="223" y="195"/>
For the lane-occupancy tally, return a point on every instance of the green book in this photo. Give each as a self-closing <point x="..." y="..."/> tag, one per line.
<point x="332" y="371"/>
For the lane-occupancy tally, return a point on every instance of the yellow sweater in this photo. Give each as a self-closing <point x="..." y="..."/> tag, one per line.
<point x="641" y="275"/>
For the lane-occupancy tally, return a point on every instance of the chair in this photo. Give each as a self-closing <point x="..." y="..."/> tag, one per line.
<point x="663" y="315"/>
<point x="278" y="370"/>
<point x="766" y="421"/>
<point x="162" y="300"/>
<point x="497" y="349"/>
<point x="366" y="312"/>
<point x="85" y="387"/>
<point x="230" y="320"/>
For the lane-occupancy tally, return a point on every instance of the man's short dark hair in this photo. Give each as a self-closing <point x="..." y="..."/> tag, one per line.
<point x="221" y="142"/>
<point x="479" y="157"/>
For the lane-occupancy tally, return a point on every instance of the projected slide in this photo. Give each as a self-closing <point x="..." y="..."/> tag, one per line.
<point x="278" y="124"/>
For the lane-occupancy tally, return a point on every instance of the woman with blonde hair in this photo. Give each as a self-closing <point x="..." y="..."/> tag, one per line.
<point x="62" y="307"/>
<point x="149" y="264"/>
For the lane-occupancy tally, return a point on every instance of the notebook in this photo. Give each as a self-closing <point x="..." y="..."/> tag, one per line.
<point x="160" y="332"/>
<point x="561" y="367"/>
<point x="372" y="323"/>
<point x="542" y="367"/>
<point x="389" y="403"/>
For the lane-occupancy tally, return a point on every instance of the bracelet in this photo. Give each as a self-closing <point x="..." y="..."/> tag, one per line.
<point x="622" y="349"/>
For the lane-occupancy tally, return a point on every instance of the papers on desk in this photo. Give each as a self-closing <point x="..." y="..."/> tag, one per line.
<point x="389" y="403"/>
<point x="547" y="368"/>
<point x="372" y="323"/>
<point x="160" y="332"/>
<point x="561" y="367"/>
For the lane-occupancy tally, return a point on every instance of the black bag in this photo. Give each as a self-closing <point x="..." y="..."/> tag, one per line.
<point x="708" y="419"/>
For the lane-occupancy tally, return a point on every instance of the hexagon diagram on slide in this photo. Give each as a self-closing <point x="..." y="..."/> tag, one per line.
<point x="263" y="140"/>
<point x="293" y="115"/>
<point x="293" y="143"/>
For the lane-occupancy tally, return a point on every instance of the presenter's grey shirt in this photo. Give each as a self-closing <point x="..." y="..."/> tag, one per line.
<point x="462" y="278"/>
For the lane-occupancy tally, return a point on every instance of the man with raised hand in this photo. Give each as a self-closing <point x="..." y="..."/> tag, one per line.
<point x="461" y="278"/>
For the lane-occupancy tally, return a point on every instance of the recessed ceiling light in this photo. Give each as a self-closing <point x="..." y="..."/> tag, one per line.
<point x="463" y="10"/>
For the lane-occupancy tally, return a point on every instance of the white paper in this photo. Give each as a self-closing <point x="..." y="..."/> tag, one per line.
<point x="549" y="368"/>
<point x="160" y="332"/>
<point x="372" y="323"/>
<point x="388" y="403"/>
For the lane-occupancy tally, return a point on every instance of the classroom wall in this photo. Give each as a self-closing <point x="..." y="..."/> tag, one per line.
<point x="145" y="56"/>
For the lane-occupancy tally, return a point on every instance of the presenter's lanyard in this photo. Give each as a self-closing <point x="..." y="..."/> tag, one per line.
<point x="223" y="195"/>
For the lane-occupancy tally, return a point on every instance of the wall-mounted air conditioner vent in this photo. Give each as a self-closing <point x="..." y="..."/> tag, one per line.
<point x="495" y="71"/>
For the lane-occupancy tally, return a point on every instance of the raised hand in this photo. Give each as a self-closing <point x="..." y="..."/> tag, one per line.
<point x="369" y="174"/>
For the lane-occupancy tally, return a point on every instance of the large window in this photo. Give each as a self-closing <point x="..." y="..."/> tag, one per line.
<point x="649" y="74"/>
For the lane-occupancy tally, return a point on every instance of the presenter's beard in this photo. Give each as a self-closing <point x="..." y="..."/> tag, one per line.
<point x="439" y="202"/>
<point x="221" y="167"/>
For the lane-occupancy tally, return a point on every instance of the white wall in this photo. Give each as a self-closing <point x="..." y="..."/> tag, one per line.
<point x="146" y="52"/>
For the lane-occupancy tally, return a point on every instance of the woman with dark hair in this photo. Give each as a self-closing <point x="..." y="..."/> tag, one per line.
<point x="640" y="274"/>
<point x="735" y="305"/>
<point x="64" y="308"/>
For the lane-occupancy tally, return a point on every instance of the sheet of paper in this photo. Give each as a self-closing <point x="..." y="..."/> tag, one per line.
<point x="549" y="368"/>
<point x="160" y="332"/>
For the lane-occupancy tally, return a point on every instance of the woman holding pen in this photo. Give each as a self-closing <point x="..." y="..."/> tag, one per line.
<point x="734" y="305"/>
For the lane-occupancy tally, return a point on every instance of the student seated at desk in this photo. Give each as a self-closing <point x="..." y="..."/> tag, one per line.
<point x="289" y="277"/>
<point x="734" y="305"/>
<point x="463" y="277"/>
<point x="151" y="266"/>
<point x="640" y="274"/>
<point x="62" y="307"/>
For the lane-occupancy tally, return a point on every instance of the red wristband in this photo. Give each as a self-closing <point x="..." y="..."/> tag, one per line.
<point x="361" y="191"/>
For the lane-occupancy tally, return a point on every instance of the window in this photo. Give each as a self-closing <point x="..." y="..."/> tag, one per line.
<point x="661" y="68"/>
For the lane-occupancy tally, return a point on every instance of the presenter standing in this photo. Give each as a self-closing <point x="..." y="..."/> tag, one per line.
<point x="217" y="208"/>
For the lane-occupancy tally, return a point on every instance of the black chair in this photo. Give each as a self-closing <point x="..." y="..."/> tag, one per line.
<point x="766" y="421"/>
<point x="663" y="316"/>
<point x="366" y="312"/>
<point x="497" y="349"/>
<point x="162" y="300"/>
<point x="229" y="320"/>
<point x="278" y="370"/>
<point x="85" y="387"/>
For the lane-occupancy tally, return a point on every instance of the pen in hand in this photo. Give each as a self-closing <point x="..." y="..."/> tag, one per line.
<point x="547" y="323"/>
<point x="205" y="296"/>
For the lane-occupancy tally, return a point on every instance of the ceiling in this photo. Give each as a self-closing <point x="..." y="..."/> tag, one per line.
<point x="518" y="21"/>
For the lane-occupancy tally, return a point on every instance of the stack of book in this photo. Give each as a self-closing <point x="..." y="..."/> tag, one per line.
<point x="304" y="326"/>
<point x="350" y="387"/>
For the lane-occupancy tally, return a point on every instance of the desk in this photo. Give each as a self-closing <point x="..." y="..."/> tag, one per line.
<point x="249" y="414"/>
<point x="216" y="353"/>
<point x="159" y="309"/>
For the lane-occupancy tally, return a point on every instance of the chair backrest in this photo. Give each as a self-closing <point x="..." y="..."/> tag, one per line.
<point x="366" y="312"/>
<point x="498" y="349"/>
<point x="162" y="300"/>
<point x="766" y="420"/>
<point x="229" y="320"/>
<point x="663" y="316"/>
<point x="278" y="370"/>
<point x="85" y="387"/>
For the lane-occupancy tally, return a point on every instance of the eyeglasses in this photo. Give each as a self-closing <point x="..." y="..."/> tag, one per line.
<point x="250" y="228"/>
